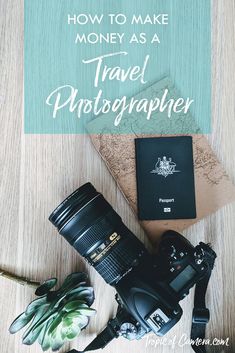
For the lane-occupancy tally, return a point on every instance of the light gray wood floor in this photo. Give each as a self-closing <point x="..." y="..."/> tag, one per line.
<point x="37" y="172"/>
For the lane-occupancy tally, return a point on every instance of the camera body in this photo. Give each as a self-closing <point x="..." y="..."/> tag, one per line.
<point x="151" y="291"/>
<point x="149" y="287"/>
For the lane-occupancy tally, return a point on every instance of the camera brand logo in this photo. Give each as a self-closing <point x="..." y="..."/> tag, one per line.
<point x="165" y="167"/>
<point x="113" y="236"/>
<point x="105" y="247"/>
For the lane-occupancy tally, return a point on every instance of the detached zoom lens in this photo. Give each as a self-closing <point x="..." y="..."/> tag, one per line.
<point x="89" y="223"/>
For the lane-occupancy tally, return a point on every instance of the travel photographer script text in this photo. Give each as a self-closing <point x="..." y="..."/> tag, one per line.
<point x="67" y="97"/>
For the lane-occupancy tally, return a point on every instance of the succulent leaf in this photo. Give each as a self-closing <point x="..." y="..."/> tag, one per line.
<point x="55" y="323"/>
<point x="67" y="321"/>
<point x="46" y="344"/>
<point x="31" y="335"/>
<point x="82" y="321"/>
<point x="57" y="342"/>
<point x="21" y="321"/>
<point x="72" y="332"/>
<point x="43" y="332"/>
<point x="56" y="316"/>
<point x="46" y="286"/>
<point x="87" y="311"/>
<point x="72" y="315"/>
<point x="86" y="294"/>
<point x="75" y="304"/>
<point x="35" y="305"/>
<point x="73" y="280"/>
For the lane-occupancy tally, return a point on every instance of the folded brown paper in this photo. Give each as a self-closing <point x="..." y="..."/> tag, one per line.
<point x="213" y="187"/>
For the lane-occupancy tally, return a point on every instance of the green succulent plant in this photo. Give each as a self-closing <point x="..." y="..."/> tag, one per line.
<point x="56" y="316"/>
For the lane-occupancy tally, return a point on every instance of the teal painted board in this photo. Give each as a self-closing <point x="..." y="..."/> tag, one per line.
<point x="64" y="43"/>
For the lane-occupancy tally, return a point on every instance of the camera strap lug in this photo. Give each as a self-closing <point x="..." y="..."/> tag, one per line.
<point x="201" y="316"/>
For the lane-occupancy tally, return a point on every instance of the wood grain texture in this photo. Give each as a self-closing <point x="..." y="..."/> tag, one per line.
<point x="37" y="172"/>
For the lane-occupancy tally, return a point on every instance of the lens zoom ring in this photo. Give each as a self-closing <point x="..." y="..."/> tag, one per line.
<point x="93" y="235"/>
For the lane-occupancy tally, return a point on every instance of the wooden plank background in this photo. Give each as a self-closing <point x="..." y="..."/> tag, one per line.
<point x="37" y="172"/>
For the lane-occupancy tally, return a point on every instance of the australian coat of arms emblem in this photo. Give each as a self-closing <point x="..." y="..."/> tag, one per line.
<point x="165" y="167"/>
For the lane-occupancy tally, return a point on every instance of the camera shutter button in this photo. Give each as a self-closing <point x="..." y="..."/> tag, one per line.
<point x="199" y="254"/>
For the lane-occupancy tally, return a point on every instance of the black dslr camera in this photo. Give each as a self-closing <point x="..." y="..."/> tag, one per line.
<point x="149" y="287"/>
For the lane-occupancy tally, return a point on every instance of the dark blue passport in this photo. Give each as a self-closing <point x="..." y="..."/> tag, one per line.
<point x="165" y="178"/>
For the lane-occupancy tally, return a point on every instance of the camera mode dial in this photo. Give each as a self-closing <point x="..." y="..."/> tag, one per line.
<point x="172" y="253"/>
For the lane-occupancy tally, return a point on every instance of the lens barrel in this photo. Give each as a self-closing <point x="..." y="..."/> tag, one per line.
<point x="89" y="223"/>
